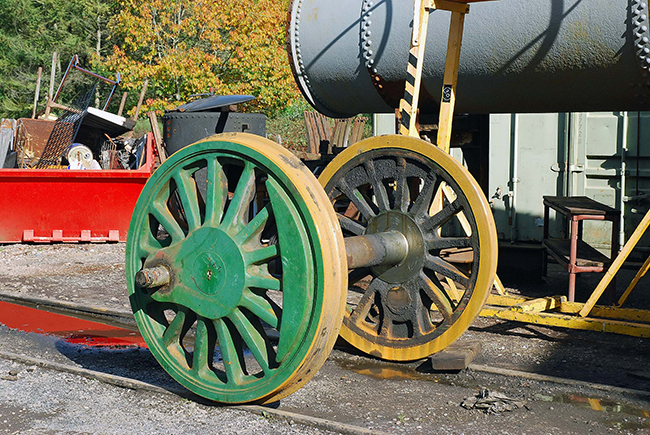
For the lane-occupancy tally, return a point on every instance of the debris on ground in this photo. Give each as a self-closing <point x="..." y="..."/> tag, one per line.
<point x="492" y="402"/>
<point x="12" y="375"/>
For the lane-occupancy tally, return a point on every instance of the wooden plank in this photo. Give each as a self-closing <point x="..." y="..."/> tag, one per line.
<point x="50" y="93"/>
<point x="633" y="329"/>
<point x="137" y="109"/>
<point x="540" y="304"/>
<point x="449" y="5"/>
<point x="579" y="205"/>
<point x="336" y="135"/>
<point x="600" y="311"/>
<point x="311" y="132"/>
<point x="357" y="130"/>
<point x="327" y="128"/>
<point x="457" y="356"/>
<point x="38" y="90"/>
<point x="122" y="103"/>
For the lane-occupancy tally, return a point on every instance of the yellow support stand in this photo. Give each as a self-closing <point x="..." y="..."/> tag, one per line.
<point x="616" y="265"/>
<point x="408" y="107"/>
<point x="450" y="81"/>
<point x="409" y="104"/>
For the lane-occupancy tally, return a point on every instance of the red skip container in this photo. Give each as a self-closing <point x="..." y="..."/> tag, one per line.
<point x="61" y="205"/>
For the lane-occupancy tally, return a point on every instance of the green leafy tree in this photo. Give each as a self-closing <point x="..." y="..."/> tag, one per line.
<point x="30" y="31"/>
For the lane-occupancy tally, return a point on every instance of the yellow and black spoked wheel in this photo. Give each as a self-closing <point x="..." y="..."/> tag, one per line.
<point x="398" y="184"/>
<point x="236" y="270"/>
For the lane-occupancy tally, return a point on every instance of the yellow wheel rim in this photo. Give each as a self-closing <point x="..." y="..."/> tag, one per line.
<point x="419" y="307"/>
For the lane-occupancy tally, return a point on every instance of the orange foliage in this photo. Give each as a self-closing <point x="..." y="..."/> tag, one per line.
<point x="190" y="47"/>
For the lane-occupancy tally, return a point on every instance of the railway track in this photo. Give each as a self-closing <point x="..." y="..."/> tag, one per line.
<point x="406" y="381"/>
<point x="123" y="319"/>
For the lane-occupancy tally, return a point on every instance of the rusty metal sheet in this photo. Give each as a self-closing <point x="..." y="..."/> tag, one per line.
<point x="31" y="137"/>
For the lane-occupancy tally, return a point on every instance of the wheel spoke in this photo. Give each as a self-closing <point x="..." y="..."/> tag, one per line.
<point x="422" y="324"/>
<point x="386" y="328"/>
<point x="242" y="197"/>
<point x="186" y="187"/>
<point x="252" y="338"/>
<point x="378" y="187"/>
<point x="437" y="264"/>
<point x="260" y="307"/>
<point x="363" y="307"/>
<point x="437" y="243"/>
<point x="358" y="274"/>
<point x="422" y="203"/>
<point x="164" y="217"/>
<point x="172" y="334"/>
<point x="255" y="227"/>
<point x="229" y="353"/>
<point x="437" y="296"/>
<point x="262" y="254"/>
<point x="366" y="302"/>
<point x="216" y="192"/>
<point x="148" y="244"/>
<point x="357" y="199"/>
<point x="350" y="225"/>
<point x="443" y="216"/>
<point x="203" y="344"/>
<point x="261" y="279"/>
<point x="402" y="199"/>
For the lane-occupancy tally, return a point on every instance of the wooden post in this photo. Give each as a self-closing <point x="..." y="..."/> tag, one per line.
<point x="450" y="80"/>
<point x="119" y="112"/>
<point x="156" y="136"/>
<point x="640" y="274"/>
<point x="137" y="110"/>
<point x="38" y="90"/>
<point x="50" y="93"/>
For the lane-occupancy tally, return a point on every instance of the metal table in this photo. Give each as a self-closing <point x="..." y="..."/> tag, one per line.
<point x="573" y="253"/>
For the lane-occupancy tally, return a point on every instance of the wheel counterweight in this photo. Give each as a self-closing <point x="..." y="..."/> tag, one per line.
<point x="421" y="304"/>
<point x="236" y="269"/>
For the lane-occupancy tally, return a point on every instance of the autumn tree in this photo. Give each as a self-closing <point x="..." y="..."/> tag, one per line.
<point x="185" y="48"/>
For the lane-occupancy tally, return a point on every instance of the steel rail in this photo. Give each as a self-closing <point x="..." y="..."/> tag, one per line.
<point x="133" y="384"/>
<point x="120" y="319"/>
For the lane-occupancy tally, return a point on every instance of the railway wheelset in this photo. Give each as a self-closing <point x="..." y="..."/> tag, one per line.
<point x="243" y="268"/>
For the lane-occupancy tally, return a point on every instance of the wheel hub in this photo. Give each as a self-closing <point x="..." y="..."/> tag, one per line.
<point x="399" y="302"/>
<point x="209" y="271"/>
<point x="412" y="264"/>
<point x="202" y="265"/>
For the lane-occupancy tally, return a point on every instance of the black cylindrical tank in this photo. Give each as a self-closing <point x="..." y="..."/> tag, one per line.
<point x="350" y="56"/>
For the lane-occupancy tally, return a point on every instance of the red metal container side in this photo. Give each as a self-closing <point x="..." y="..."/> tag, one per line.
<point x="61" y="205"/>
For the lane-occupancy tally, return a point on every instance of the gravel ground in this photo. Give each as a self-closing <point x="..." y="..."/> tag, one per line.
<point x="350" y="388"/>
<point x="47" y="401"/>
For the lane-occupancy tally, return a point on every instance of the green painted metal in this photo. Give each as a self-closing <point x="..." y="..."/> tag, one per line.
<point x="240" y="314"/>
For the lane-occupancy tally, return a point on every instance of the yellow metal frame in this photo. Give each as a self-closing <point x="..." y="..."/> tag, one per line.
<point x="557" y="311"/>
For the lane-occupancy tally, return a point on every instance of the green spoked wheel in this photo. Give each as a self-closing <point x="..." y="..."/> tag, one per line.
<point x="236" y="269"/>
<point x="403" y="185"/>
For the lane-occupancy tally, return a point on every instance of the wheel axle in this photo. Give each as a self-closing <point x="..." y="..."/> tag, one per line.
<point x="153" y="277"/>
<point x="386" y="249"/>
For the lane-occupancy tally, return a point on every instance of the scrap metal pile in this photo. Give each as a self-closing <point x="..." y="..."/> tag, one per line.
<point x="80" y="137"/>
